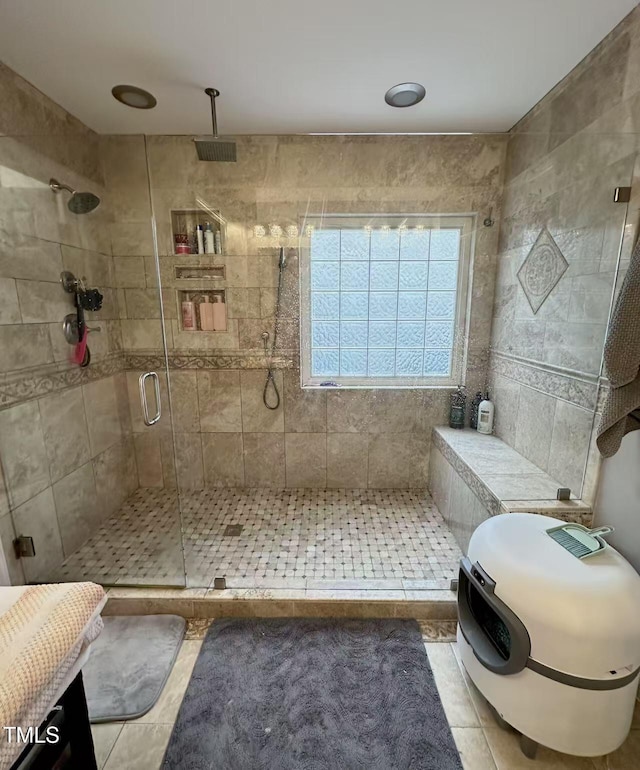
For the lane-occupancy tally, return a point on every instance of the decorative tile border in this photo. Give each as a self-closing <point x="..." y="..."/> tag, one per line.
<point x="438" y="630"/>
<point x="581" y="390"/>
<point x="234" y="359"/>
<point x="25" y="386"/>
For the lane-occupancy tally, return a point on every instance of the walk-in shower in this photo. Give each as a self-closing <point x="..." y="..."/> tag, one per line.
<point x="79" y="202"/>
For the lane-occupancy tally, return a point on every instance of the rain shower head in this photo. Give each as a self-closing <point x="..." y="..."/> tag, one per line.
<point x="79" y="202"/>
<point x="217" y="148"/>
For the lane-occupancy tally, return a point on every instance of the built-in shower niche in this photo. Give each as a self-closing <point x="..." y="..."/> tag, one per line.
<point x="201" y="310"/>
<point x="184" y="235"/>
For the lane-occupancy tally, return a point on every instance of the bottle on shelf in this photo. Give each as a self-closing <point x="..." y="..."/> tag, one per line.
<point x="200" y="239"/>
<point x="485" y="415"/>
<point x="209" y="246"/>
<point x="206" y="315"/>
<point x="188" y="316"/>
<point x="219" y="313"/>
<point x="217" y="238"/>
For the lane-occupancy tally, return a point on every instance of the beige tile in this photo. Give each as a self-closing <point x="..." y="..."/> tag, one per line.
<point x="306" y="459"/>
<point x="115" y="472"/>
<point x="24" y="456"/>
<point x="264" y="463"/>
<point x="347" y="460"/>
<point x="167" y="455"/>
<point x="451" y="686"/>
<point x="473" y="749"/>
<point x="65" y="431"/>
<point x="222" y="459"/>
<point x="481" y="706"/>
<point x="184" y="401"/>
<point x="41" y="301"/>
<point x="23" y="256"/>
<point x="37" y="518"/>
<point x="627" y="757"/>
<point x="220" y="402"/>
<point x="570" y="444"/>
<point x="78" y="507"/>
<point x="7" y="536"/>
<point x="142" y="334"/>
<point x="166" y="708"/>
<point x="505" y="748"/>
<point x="305" y="411"/>
<point x="104" y="738"/>
<point x="256" y="418"/>
<point x="535" y="426"/>
<point x="149" y="459"/>
<point x="103" y="417"/>
<point x="139" y="747"/>
<point x="348" y="411"/>
<point x="398" y="460"/>
<point x="129" y="272"/>
<point x="9" y="307"/>
<point x="189" y="467"/>
<point x="24" y="346"/>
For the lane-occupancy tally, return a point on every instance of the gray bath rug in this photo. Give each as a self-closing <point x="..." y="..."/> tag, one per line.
<point x="312" y="694"/>
<point x="129" y="665"/>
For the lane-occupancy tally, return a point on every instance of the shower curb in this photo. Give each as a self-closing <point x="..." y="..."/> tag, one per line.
<point x="437" y="605"/>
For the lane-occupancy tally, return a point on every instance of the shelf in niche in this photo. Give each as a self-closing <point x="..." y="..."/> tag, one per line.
<point x="183" y="223"/>
<point x="198" y="296"/>
<point x="200" y="272"/>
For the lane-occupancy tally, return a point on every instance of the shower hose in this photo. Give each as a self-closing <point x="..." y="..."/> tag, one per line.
<point x="273" y="402"/>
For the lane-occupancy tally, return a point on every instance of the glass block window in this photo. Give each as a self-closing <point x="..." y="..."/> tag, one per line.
<point x="382" y="300"/>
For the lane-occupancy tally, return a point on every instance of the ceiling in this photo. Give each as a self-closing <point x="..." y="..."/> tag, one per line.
<point x="296" y="66"/>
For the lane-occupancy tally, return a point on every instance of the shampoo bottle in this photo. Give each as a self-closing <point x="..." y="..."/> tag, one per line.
<point x="208" y="239"/>
<point x="219" y="314"/>
<point x="218" y="242"/>
<point x="200" y="238"/>
<point x="206" y="315"/>
<point x="188" y="316"/>
<point x="485" y="415"/>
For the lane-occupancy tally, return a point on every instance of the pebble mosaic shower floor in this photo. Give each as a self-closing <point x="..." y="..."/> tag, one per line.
<point x="269" y="538"/>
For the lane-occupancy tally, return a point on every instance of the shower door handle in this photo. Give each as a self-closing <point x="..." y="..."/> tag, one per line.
<point x="143" y="398"/>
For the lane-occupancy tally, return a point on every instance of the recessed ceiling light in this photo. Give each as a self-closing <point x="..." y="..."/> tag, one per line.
<point x="133" y="96"/>
<point x="405" y="95"/>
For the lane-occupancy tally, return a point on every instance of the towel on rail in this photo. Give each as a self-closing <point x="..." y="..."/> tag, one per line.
<point x="621" y="410"/>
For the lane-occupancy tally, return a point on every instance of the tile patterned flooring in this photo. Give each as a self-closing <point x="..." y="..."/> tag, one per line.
<point x="287" y="537"/>
<point x="140" y="744"/>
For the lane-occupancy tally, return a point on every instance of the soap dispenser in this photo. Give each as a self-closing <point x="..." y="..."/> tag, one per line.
<point x="485" y="415"/>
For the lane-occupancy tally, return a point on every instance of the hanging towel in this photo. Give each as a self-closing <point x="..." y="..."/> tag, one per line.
<point x="621" y="411"/>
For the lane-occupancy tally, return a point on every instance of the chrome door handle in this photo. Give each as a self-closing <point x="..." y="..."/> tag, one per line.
<point x="143" y="398"/>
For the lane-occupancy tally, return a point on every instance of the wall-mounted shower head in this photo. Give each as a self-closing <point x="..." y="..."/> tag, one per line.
<point x="218" y="148"/>
<point x="79" y="202"/>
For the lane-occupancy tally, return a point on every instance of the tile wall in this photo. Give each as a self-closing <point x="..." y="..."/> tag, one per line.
<point x="66" y="446"/>
<point x="224" y="434"/>
<point x="564" y="160"/>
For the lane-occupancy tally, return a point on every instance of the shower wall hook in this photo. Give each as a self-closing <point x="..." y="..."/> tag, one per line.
<point x="69" y="282"/>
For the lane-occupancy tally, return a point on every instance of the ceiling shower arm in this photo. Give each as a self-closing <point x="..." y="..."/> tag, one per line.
<point x="212" y="93"/>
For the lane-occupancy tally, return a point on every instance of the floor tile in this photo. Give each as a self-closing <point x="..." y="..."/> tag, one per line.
<point x="452" y="689"/>
<point x="473" y="749"/>
<point x="295" y="538"/>
<point x="139" y="747"/>
<point x="627" y="757"/>
<point x="104" y="738"/>
<point x="505" y="747"/>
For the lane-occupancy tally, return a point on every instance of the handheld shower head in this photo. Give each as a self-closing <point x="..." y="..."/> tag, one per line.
<point x="282" y="261"/>
<point x="218" y="148"/>
<point x="79" y="202"/>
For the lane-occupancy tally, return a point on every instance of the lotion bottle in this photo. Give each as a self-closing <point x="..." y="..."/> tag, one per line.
<point x="200" y="238"/>
<point x="188" y="316"/>
<point x="485" y="416"/>
<point x="206" y="315"/>
<point x="219" y="314"/>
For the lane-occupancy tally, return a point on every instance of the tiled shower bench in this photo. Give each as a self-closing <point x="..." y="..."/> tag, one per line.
<point x="473" y="476"/>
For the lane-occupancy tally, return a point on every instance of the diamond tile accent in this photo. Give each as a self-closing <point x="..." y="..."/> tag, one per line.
<point x="543" y="267"/>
